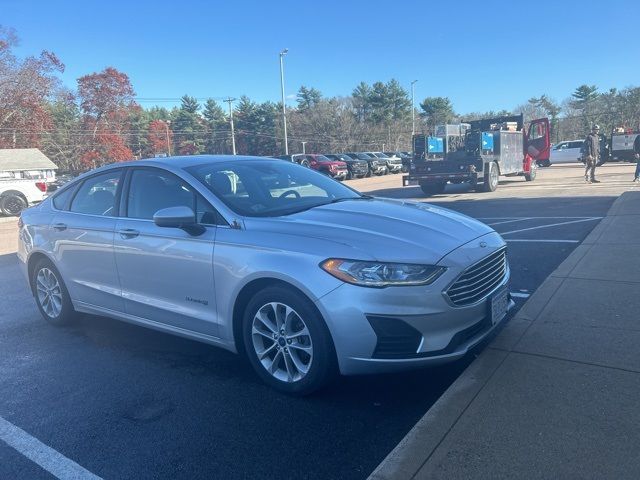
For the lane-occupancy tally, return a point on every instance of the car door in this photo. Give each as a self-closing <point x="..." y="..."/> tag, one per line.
<point x="573" y="152"/>
<point x="166" y="274"/>
<point x="557" y="152"/>
<point x="81" y="235"/>
<point x="538" y="141"/>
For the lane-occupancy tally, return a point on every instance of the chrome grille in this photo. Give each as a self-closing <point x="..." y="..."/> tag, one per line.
<point x="479" y="279"/>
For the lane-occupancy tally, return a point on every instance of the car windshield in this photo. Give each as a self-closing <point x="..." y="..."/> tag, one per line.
<point x="322" y="158"/>
<point x="362" y="156"/>
<point x="266" y="188"/>
<point x="380" y="155"/>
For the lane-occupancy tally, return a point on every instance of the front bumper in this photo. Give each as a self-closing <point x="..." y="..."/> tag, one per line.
<point x="394" y="167"/>
<point x="339" y="174"/>
<point x="408" y="180"/>
<point x="356" y="318"/>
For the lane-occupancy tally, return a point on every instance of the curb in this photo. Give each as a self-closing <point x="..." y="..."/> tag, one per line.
<point x="417" y="447"/>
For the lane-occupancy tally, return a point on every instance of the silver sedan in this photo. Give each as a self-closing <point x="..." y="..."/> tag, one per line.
<point x="300" y="273"/>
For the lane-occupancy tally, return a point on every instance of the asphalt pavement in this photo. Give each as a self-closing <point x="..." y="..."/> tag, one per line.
<point x="127" y="402"/>
<point x="555" y="394"/>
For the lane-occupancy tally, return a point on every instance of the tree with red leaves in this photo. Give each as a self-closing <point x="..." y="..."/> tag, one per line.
<point x="105" y="99"/>
<point x="25" y="87"/>
<point x="159" y="137"/>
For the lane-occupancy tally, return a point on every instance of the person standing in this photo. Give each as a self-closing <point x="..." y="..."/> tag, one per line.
<point x="636" y="150"/>
<point x="592" y="154"/>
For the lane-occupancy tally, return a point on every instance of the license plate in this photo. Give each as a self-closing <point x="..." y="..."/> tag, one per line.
<point x="499" y="305"/>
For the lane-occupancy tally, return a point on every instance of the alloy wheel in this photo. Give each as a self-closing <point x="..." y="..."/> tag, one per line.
<point x="49" y="292"/>
<point x="282" y="342"/>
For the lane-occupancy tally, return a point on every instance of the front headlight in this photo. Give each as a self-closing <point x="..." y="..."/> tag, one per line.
<point x="379" y="274"/>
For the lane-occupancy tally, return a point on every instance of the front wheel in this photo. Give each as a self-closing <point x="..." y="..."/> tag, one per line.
<point x="51" y="295"/>
<point x="287" y="342"/>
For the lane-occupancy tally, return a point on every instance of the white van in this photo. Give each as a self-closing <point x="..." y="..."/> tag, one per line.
<point x="566" y="152"/>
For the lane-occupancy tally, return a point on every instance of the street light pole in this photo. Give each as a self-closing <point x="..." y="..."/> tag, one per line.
<point x="303" y="149"/>
<point x="233" y="135"/>
<point x="284" y="108"/>
<point x="166" y="127"/>
<point x="413" y="112"/>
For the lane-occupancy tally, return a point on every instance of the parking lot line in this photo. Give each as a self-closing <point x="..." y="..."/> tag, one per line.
<point x="551" y="225"/>
<point x="46" y="457"/>
<point x="534" y="218"/>
<point x="510" y="221"/>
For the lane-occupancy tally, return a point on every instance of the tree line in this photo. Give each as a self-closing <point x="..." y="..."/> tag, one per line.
<point x="101" y="122"/>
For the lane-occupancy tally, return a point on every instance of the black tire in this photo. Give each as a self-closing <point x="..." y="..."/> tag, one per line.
<point x="491" y="178"/>
<point x="368" y="174"/>
<point x="11" y="204"/>
<point x="67" y="314"/>
<point x="432" y="188"/>
<point x="531" y="176"/>
<point x="323" y="365"/>
<point x="543" y="163"/>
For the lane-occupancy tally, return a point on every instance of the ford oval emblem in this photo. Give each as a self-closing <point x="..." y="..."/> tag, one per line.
<point x="483" y="244"/>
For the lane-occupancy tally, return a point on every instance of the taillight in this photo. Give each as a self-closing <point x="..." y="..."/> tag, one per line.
<point x="42" y="186"/>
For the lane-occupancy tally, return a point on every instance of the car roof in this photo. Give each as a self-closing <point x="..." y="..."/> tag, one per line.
<point x="184" y="161"/>
<point x="179" y="162"/>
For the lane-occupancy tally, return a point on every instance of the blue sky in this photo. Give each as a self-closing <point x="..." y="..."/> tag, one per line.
<point x="485" y="55"/>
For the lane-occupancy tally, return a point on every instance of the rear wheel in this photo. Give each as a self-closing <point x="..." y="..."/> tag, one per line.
<point x="432" y="188"/>
<point x="51" y="295"/>
<point x="533" y="172"/>
<point x="12" y="204"/>
<point x="305" y="163"/>
<point x="491" y="179"/>
<point x="287" y="342"/>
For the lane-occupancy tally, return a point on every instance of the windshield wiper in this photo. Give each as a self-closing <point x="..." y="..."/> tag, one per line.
<point x="346" y="199"/>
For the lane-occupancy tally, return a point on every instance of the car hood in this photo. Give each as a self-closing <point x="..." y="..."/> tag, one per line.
<point x="381" y="229"/>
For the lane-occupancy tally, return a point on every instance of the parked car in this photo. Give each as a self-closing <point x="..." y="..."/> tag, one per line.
<point x="334" y="168"/>
<point x="404" y="157"/>
<point x="18" y="194"/>
<point x="299" y="158"/>
<point x="306" y="279"/>
<point x="565" y="152"/>
<point x="59" y="182"/>
<point x="376" y="166"/>
<point x="356" y="168"/>
<point x="394" y="164"/>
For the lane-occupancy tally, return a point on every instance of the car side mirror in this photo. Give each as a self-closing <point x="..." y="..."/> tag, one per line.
<point x="178" y="217"/>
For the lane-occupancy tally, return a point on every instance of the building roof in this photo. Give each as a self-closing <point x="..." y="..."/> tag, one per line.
<point x="17" y="159"/>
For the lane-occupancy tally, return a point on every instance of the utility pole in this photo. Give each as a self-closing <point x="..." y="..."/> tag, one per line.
<point x="413" y="112"/>
<point x="303" y="149"/>
<point x="284" y="108"/>
<point x="166" y="127"/>
<point x="233" y="135"/>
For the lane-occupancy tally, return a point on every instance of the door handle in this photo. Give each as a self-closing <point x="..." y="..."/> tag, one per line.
<point x="59" y="226"/>
<point x="128" y="233"/>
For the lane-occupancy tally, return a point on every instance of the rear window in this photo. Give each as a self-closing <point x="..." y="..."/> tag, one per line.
<point x="61" y="199"/>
